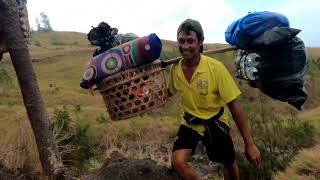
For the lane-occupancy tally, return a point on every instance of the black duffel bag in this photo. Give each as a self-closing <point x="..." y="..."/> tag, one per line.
<point x="282" y="65"/>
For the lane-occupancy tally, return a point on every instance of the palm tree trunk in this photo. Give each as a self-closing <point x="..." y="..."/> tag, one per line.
<point x="48" y="152"/>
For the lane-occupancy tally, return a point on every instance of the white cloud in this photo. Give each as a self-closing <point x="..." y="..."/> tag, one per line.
<point x="138" y="16"/>
<point x="164" y="16"/>
<point x="303" y="15"/>
<point x="214" y="15"/>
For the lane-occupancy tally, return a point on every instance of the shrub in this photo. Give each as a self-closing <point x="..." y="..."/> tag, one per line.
<point x="75" y="146"/>
<point x="37" y="43"/>
<point x="278" y="139"/>
<point x="314" y="67"/>
<point x="5" y="78"/>
<point x="77" y="108"/>
<point x="62" y="118"/>
<point x="55" y="40"/>
<point x="101" y="118"/>
<point x="170" y="54"/>
<point x="75" y="43"/>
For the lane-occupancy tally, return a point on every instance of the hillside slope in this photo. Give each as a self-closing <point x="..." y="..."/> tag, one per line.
<point x="58" y="59"/>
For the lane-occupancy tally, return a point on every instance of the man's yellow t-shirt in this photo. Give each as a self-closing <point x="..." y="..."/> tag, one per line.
<point x="210" y="88"/>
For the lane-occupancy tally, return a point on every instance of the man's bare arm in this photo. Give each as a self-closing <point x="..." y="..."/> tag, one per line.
<point x="239" y="118"/>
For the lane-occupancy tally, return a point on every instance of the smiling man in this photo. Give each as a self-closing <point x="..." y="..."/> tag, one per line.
<point x="205" y="87"/>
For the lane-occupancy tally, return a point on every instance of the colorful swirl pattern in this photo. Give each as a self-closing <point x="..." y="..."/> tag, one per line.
<point x="134" y="53"/>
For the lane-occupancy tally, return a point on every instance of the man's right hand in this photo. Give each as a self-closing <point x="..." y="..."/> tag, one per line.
<point x="253" y="154"/>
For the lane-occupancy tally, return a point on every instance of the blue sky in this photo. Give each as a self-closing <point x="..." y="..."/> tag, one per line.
<point x="143" y="17"/>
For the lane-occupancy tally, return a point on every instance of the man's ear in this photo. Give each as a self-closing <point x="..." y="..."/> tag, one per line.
<point x="201" y="42"/>
<point x="201" y="45"/>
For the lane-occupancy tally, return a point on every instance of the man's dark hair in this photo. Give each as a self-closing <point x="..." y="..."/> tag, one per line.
<point x="192" y="25"/>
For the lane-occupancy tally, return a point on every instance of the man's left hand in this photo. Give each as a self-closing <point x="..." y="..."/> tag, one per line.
<point x="253" y="154"/>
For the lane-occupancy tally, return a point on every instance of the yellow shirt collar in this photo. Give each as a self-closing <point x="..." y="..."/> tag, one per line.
<point x="201" y="68"/>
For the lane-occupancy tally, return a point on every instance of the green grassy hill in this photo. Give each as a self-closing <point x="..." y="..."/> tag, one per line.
<point x="58" y="59"/>
<point x="50" y="39"/>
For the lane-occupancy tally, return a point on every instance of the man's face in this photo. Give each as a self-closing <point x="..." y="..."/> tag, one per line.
<point x="188" y="44"/>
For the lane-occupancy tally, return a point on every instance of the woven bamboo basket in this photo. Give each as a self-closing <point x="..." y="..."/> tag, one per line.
<point x="139" y="90"/>
<point x="134" y="91"/>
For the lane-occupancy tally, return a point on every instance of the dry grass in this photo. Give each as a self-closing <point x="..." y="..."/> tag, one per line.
<point x="306" y="166"/>
<point x="59" y="68"/>
<point x="313" y="89"/>
<point x="313" y="53"/>
<point x="18" y="152"/>
<point x="312" y="116"/>
<point x="141" y="137"/>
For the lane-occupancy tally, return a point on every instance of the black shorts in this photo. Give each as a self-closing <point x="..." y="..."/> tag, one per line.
<point x="220" y="149"/>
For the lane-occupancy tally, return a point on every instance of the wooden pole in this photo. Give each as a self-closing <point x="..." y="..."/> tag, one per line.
<point x="207" y="52"/>
<point x="47" y="148"/>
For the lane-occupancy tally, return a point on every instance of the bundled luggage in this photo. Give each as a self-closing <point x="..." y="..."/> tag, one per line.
<point x="105" y="37"/>
<point x="271" y="57"/>
<point x="134" y="53"/>
<point x="243" y="31"/>
<point x="125" y="71"/>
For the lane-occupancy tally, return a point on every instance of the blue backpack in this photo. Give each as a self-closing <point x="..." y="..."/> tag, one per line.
<point x="243" y="31"/>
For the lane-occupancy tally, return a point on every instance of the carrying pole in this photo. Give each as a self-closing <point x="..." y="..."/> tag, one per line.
<point x="207" y="52"/>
